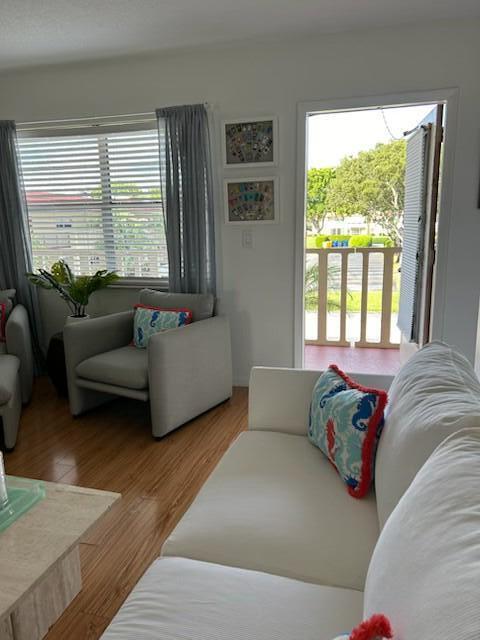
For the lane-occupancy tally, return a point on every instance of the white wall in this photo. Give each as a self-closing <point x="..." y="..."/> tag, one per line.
<point x="256" y="286"/>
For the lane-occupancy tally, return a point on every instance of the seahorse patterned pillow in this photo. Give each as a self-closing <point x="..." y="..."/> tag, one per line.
<point x="345" y="422"/>
<point x="150" y="320"/>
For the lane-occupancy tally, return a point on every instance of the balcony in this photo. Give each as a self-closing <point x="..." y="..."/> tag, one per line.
<point x="351" y="308"/>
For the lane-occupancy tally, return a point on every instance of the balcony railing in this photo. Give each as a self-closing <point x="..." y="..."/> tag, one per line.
<point x="354" y="297"/>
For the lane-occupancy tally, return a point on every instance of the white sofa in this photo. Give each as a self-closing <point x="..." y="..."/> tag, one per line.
<point x="274" y="547"/>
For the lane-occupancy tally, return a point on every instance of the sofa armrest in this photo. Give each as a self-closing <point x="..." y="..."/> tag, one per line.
<point x="189" y="370"/>
<point x="19" y="343"/>
<point x="87" y="338"/>
<point x="279" y="399"/>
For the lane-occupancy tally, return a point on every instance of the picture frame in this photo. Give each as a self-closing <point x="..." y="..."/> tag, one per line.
<point x="250" y="142"/>
<point x="251" y="200"/>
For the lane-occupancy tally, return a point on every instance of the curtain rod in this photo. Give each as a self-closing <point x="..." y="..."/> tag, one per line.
<point x="92" y="121"/>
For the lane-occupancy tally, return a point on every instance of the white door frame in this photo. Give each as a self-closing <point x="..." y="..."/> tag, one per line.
<point x="449" y="97"/>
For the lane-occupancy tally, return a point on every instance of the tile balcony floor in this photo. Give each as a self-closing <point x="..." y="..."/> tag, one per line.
<point x="356" y="360"/>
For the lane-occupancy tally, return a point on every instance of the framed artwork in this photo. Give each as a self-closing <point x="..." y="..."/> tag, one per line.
<point x="251" y="201"/>
<point x="250" y="142"/>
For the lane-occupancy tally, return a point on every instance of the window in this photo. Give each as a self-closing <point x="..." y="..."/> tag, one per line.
<point x="358" y="231"/>
<point x="94" y="200"/>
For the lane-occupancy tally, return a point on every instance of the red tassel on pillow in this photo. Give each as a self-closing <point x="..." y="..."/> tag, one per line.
<point x="375" y="628"/>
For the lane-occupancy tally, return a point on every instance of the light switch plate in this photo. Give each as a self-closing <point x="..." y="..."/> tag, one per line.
<point x="247" y="239"/>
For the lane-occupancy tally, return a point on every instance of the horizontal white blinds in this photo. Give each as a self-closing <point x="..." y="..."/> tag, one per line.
<point x="94" y="200"/>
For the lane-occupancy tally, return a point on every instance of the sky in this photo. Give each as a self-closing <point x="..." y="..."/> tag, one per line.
<point x="332" y="136"/>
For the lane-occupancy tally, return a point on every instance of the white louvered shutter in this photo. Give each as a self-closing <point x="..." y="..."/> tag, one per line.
<point x="414" y="233"/>
<point x="94" y="200"/>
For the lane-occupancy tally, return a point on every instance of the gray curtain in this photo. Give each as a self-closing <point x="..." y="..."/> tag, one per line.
<point x="186" y="175"/>
<point x="15" y="243"/>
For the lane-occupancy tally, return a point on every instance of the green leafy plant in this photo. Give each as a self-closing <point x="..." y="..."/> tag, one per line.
<point x="318" y="181"/>
<point x="75" y="290"/>
<point x="311" y="287"/>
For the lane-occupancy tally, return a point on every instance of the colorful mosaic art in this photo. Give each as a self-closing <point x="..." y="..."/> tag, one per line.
<point x="251" y="201"/>
<point x="249" y="142"/>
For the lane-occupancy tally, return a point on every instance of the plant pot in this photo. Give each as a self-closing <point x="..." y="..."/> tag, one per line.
<point x="72" y="319"/>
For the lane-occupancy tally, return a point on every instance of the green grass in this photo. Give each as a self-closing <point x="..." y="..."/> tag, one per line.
<point x="354" y="300"/>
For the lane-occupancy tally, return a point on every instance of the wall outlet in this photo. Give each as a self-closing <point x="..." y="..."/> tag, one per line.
<point x="247" y="239"/>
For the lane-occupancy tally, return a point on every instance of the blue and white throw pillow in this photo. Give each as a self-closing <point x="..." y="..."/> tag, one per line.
<point x="150" y="320"/>
<point x="345" y="422"/>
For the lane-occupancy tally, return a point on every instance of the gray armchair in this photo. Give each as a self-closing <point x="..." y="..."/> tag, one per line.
<point x="182" y="373"/>
<point x="18" y="341"/>
<point x="16" y="367"/>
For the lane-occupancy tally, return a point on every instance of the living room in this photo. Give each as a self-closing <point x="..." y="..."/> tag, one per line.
<point x="66" y="65"/>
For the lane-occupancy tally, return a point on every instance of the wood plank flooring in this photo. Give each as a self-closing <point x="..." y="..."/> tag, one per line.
<point x="112" y="448"/>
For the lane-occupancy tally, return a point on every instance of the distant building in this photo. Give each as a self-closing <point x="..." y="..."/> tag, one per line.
<point x="351" y="226"/>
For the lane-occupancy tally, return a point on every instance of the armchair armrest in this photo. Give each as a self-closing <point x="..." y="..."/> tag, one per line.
<point x="19" y="343"/>
<point x="90" y="337"/>
<point x="279" y="399"/>
<point x="189" y="370"/>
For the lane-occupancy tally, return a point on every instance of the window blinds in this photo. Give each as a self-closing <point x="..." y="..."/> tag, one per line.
<point x="94" y="200"/>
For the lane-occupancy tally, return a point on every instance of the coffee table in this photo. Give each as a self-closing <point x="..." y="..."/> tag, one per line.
<point x="39" y="558"/>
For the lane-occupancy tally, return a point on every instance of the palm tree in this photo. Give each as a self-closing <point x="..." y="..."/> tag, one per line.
<point x="311" y="286"/>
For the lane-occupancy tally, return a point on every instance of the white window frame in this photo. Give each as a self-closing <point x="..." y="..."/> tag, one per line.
<point x="94" y="126"/>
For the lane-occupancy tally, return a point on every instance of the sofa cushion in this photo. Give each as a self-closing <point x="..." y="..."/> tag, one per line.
<point x="180" y="598"/>
<point x="201" y="304"/>
<point x="275" y="504"/>
<point x="425" y="571"/>
<point x="124" y="367"/>
<point x="345" y="422"/>
<point x="434" y="394"/>
<point x="9" y="366"/>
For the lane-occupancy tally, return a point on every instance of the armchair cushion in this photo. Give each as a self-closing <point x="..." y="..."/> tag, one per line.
<point x="201" y="304"/>
<point x="124" y="367"/>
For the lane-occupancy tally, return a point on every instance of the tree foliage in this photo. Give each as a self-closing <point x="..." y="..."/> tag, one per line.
<point x="318" y="181"/>
<point x="372" y="184"/>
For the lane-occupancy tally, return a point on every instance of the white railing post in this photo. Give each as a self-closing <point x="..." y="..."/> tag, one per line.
<point x="343" y="295"/>
<point x="386" y="316"/>
<point x="364" y="294"/>
<point x="322" y="257"/>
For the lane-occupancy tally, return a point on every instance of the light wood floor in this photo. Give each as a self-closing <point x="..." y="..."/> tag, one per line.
<point x="112" y="448"/>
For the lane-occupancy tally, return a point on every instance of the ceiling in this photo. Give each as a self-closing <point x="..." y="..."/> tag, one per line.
<point x="36" y="32"/>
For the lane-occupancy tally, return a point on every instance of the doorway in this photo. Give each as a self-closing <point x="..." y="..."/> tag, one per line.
<point x="369" y="225"/>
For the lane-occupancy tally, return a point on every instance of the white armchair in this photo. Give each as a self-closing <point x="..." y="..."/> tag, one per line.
<point x="182" y="373"/>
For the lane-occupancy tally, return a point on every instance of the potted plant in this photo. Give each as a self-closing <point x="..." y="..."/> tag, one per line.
<point x="75" y="290"/>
